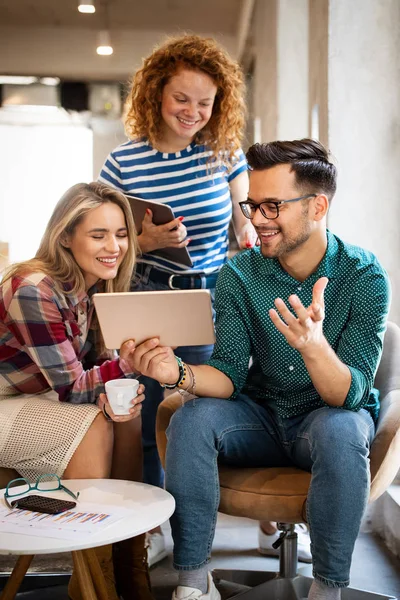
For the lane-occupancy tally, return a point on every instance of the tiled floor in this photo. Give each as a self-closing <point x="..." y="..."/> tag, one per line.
<point x="373" y="568"/>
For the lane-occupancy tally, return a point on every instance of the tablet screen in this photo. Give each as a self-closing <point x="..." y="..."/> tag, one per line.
<point x="162" y="214"/>
<point x="178" y="318"/>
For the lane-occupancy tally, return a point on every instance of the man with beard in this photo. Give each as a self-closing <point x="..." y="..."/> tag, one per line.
<point x="310" y="312"/>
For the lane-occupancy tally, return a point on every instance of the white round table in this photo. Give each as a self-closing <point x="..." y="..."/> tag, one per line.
<point x="149" y="506"/>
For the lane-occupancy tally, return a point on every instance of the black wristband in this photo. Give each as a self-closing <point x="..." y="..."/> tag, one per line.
<point x="182" y="373"/>
<point x="105" y="413"/>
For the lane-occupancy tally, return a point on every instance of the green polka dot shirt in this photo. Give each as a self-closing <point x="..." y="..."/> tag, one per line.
<point x="356" y="309"/>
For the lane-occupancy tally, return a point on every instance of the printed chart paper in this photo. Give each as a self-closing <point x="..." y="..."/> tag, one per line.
<point x="84" y="520"/>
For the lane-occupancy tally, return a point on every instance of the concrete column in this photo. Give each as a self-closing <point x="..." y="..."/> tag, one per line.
<point x="280" y="77"/>
<point x="265" y="80"/>
<point x="292" y="56"/>
<point x="364" y="128"/>
<point x="318" y="70"/>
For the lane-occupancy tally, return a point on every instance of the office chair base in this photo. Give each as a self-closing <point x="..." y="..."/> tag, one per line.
<point x="266" y="585"/>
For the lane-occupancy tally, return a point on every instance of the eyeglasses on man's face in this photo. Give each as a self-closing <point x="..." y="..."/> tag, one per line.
<point x="268" y="209"/>
<point x="48" y="482"/>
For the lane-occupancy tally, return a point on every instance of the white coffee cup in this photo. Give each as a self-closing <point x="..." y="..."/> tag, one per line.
<point x="120" y="393"/>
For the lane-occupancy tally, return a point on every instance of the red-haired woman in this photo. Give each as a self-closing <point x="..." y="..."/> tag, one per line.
<point x="185" y="119"/>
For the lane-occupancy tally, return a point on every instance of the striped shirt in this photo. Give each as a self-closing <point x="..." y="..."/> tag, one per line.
<point x="195" y="190"/>
<point x="356" y="309"/>
<point x="42" y="342"/>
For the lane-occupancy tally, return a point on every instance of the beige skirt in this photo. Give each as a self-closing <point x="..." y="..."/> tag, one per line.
<point x="39" y="434"/>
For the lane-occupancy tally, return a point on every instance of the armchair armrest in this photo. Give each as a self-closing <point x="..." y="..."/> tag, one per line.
<point x="385" y="449"/>
<point x="164" y="414"/>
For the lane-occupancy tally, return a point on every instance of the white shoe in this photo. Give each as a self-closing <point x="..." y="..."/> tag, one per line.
<point x="188" y="593"/>
<point x="303" y="543"/>
<point x="156" y="550"/>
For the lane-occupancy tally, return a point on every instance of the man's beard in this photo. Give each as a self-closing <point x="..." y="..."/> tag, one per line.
<point x="289" y="244"/>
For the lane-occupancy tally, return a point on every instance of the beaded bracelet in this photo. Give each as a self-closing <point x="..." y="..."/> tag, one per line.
<point x="181" y="378"/>
<point x="184" y="392"/>
<point x="193" y="381"/>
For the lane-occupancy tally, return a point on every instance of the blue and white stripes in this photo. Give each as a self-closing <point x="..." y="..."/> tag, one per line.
<point x="195" y="190"/>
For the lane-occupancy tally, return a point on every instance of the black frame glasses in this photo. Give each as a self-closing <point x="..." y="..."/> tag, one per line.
<point x="249" y="208"/>
<point x="38" y="485"/>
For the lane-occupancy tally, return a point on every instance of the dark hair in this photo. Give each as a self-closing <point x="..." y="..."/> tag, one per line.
<point x="308" y="158"/>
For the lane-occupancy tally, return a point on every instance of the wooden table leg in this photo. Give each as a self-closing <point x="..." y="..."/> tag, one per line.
<point x="83" y="574"/>
<point x="96" y="573"/>
<point x="16" y="577"/>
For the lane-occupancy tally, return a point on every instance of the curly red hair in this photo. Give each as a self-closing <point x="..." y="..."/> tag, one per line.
<point x="224" y="131"/>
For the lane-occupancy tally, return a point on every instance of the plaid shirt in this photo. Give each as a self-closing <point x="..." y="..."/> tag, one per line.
<point x="42" y="338"/>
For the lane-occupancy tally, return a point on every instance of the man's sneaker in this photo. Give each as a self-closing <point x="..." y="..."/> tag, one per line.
<point x="303" y="543"/>
<point x="156" y="550"/>
<point x="188" y="593"/>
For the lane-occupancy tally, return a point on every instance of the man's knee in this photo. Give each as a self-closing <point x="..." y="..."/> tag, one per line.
<point x="337" y="433"/>
<point x="194" y="416"/>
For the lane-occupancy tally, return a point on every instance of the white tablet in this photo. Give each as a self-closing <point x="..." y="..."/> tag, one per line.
<point x="178" y="317"/>
<point x="162" y="214"/>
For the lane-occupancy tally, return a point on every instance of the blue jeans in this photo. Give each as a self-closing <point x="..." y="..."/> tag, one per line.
<point x="153" y="472"/>
<point x="333" y="444"/>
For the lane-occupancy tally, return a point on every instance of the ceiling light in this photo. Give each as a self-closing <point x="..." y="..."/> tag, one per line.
<point x="87" y="6"/>
<point x="49" y="80"/>
<point x="17" y="79"/>
<point x="104" y="47"/>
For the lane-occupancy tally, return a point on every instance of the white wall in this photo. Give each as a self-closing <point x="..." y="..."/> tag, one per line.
<point x="364" y="128"/>
<point x="107" y="135"/>
<point x="40" y="157"/>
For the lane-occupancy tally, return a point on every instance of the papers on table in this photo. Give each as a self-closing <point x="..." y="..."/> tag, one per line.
<point x="85" y="520"/>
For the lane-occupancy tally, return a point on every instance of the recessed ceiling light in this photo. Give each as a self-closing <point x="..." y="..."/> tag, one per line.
<point x="87" y="6"/>
<point x="104" y="47"/>
<point x="49" y="80"/>
<point x="17" y="79"/>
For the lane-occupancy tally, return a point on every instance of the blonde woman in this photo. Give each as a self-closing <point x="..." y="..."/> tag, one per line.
<point x="54" y="416"/>
<point x="185" y="121"/>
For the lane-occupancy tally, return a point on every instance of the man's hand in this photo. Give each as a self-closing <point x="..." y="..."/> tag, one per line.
<point x="152" y="360"/>
<point x="305" y="331"/>
<point x="154" y="237"/>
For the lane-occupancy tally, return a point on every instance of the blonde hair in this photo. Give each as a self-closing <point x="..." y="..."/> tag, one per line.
<point x="224" y="131"/>
<point x="57" y="261"/>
